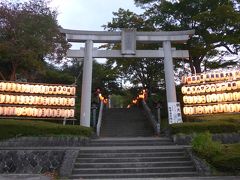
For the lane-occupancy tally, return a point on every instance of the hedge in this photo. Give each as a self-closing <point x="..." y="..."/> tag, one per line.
<point x="14" y="128"/>
<point x="211" y="126"/>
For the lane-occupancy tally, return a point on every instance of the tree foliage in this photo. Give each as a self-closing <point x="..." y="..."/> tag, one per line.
<point x="29" y="36"/>
<point x="217" y="25"/>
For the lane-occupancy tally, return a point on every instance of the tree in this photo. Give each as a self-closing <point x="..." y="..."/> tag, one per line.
<point x="217" y="25"/>
<point x="29" y="36"/>
<point x="142" y="72"/>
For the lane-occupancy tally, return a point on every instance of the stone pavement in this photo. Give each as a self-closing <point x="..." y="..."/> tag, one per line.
<point x="23" y="177"/>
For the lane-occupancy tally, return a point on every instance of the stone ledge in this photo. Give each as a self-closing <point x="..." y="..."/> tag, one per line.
<point x="225" y="138"/>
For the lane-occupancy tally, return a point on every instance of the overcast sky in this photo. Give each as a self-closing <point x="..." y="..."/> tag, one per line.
<point x="89" y="14"/>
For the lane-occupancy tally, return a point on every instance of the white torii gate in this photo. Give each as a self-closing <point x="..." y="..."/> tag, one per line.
<point x="128" y="38"/>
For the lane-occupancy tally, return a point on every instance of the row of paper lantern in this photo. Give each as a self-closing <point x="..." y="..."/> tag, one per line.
<point x="211" y="77"/>
<point x="36" y="112"/>
<point x="207" y="88"/>
<point x="40" y="89"/>
<point x="37" y="100"/>
<point x="212" y="98"/>
<point x="212" y="109"/>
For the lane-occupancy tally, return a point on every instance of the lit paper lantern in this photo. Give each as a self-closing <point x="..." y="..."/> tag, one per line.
<point x="218" y="87"/>
<point x="194" y="79"/>
<point x="234" y="85"/>
<point x="220" y="108"/>
<point x="202" y="87"/>
<point x="185" y="111"/>
<point x="198" y="89"/>
<point x="215" y="109"/>
<point x="2" y="98"/>
<point x="202" y="77"/>
<point x="1" y="111"/>
<point x="213" y="98"/>
<point x="229" y="86"/>
<point x="189" y="80"/>
<point x="217" y="76"/>
<point x="184" y="80"/>
<point x="68" y="90"/>
<point x="207" y="88"/>
<point x="188" y="90"/>
<point x="208" y="77"/>
<point x="219" y="97"/>
<point x="199" y="110"/>
<point x="224" y="86"/>
<point x="213" y="88"/>
<point x="235" y="96"/>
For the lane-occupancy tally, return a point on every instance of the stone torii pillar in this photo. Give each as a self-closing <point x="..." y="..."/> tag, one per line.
<point x="87" y="85"/>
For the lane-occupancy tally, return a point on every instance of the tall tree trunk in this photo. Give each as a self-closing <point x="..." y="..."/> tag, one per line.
<point x="13" y="72"/>
<point x="2" y="76"/>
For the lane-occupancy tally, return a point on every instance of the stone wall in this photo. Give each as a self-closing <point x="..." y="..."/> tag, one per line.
<point x="225" y="138"/>
<point x="45" y="141"/>
<point x="30" y="161"/>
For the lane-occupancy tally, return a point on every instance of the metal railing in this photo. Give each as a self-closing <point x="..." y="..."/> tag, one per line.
<point x="99" y="122"/>
<point x="151" y="118"/>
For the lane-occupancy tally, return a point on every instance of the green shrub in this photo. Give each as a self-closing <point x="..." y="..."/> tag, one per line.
<point x="211" y="126"/>
<point x="13" y="128"/>
<point x="229" y="160"/>
<point x="203" y="145"/>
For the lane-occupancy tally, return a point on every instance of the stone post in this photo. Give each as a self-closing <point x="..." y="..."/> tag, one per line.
<point x="87" y="85"/>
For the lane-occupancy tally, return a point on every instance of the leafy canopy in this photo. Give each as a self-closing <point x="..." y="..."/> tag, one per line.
<point x="29" y="35"/>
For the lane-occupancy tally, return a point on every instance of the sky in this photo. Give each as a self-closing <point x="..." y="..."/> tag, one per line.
<point x="89" y="14"/>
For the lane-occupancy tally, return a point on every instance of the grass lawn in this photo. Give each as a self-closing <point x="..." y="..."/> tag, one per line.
<point x="13" y="128"/>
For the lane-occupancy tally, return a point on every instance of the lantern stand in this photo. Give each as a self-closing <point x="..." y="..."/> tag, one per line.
<point x="158" y="107"/>
<point x="94" y="113"/>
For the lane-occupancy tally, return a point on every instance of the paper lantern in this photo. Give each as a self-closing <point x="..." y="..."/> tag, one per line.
<point x="68" y="90"/>
<point x="198" y="89"/>
<point x="213" y="88"/>
<point x="217" y="76"/>
<point x="220" y="108"/>
<point x="213" y="98"/>
<point x="64" y="90"/>
<point x="231" y="108"/>
<point x="224" y="86"/>
<point x="218" y="87"/>
<point x="193" y="89"/>
<point x="73" y="90"/>
<point x="215" y="109"/>
<point x="184" y="80"/>
<point x="194" y="79"/>
<point x="200" y="110"/>
<point x="207" y="88"/>
<point x="189" y="80"/>
<point x="188" y="90"/>
<point x="234" y="85"/>
<point x="7" y="99"/>
<point x="184" y="90"/>
<point x="208" y="98"/>
<point x="202" y="77"/>
<point x="208" y="77"/>
<point x="72" y="102"/>
<point x="229" y="86"/>
<point x="202" y="87"/>
<point x="229" y="96"/>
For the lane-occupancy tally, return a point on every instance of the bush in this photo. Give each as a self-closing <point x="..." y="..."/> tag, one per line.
<point x="211" y="126"/>
<point x="204" y="145"/>
<point x="229" y="160"/>
<point x="13" y="128"/>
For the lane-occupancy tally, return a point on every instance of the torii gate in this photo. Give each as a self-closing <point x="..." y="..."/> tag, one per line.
<point x="128" y="38"/>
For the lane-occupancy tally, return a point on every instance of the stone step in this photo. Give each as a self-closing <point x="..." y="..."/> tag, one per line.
<point x="133" y="175"/>
<point x="138" y="159"/>
<point x="130" y="155"/>
<point x="130" y="144"/>
<point x="128" y="150"/>
<point x="134" y="164"/>
<point x="133" y="170"/>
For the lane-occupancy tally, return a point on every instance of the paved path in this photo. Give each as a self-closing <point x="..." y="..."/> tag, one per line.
<point x="23" y="177"/>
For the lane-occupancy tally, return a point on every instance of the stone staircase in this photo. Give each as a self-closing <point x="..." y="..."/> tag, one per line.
<point x="140" y="157"/>
<point x="123" y="122"/>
